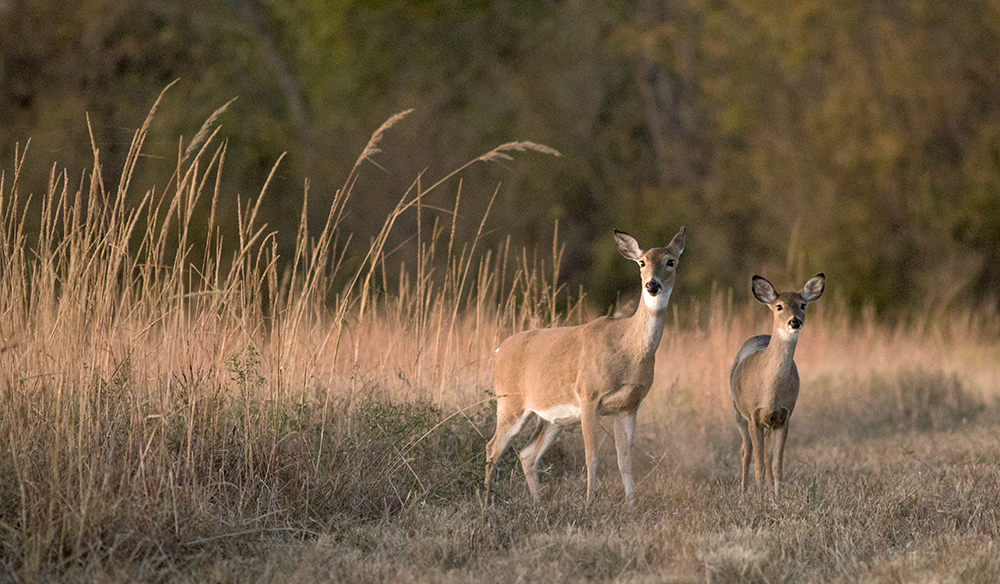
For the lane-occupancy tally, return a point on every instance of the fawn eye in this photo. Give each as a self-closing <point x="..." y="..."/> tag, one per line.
<point x="670" y="263"/>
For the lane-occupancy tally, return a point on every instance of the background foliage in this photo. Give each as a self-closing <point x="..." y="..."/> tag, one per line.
<point x="862" y="139"/>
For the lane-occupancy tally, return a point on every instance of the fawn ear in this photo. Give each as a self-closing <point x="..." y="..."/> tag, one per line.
<point x="628" y="246"/>
<point x="677" y="243"/>
<point x="763" y="291"/>
<point x="814" y="288"/>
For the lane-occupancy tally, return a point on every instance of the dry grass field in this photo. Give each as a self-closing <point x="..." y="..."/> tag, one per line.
<point x="173" y="418"/>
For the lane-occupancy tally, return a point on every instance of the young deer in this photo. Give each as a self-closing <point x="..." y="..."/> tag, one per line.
<point x="570" y="375"/>
<point x="765" y="381"/>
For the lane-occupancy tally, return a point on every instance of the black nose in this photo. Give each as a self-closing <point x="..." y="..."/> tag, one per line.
<point x="653" y="287"/>
<point x="795" y="323"/>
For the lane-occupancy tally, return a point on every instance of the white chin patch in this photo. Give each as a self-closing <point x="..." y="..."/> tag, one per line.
<point x="786" y="334"/>
<point x="658" y="302"/>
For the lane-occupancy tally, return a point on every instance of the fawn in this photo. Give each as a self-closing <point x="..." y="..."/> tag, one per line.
<point x="765" y="381"/>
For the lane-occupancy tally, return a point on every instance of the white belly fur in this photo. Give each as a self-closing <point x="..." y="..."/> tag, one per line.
<point x="560" y="415"/>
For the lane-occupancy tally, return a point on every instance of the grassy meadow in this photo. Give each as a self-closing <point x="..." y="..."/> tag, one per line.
<point x="174" y="416"/>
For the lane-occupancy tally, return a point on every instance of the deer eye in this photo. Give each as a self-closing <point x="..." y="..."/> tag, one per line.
<point x="642" y="263"/>
<point x="803" y="306"/>
<point x="779" y="308"/>
<point x="670" y="263"/>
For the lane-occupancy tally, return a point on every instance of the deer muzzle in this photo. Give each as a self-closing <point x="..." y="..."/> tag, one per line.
<point x="653" y="287"/>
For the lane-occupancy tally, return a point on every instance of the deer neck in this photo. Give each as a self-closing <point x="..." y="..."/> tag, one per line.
<point x="646" y="325"/>
<point x="780" y="352"/>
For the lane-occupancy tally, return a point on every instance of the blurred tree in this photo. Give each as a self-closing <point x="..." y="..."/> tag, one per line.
<point x="837" y="137"/>
<point x="790" y="136"/>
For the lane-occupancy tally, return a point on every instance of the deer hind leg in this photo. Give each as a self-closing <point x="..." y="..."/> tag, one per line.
<point x="544" y="436"/>
<point x="746" y="450"/>
<point x="509" y="423"/>
<point x="624" y="435"/>
<point x="757" y="442"/>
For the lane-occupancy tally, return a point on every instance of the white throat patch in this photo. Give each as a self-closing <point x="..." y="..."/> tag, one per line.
<point x="658" y="302"/>
<point x="787" y="335"/>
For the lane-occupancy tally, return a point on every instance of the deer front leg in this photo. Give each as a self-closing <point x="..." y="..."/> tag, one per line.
<point x="779" y="454"/>
<point x="768" y="457"/>
<point x="624" y="435"/>
<point x="589" y="426"/>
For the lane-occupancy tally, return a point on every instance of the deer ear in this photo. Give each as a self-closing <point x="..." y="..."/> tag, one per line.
<point x="814" y="288"/>
<point x="677" y="243"/>
<point x="628" y="246"/>
<point x="763" y="291"/>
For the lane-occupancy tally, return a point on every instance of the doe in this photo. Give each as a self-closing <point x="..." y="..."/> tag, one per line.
<point x="765" y="381"/>
<point x="574" y="374"/>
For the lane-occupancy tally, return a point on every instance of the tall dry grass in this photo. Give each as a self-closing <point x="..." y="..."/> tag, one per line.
<point x="162" y="409"/>
<point x="151" y="393"/>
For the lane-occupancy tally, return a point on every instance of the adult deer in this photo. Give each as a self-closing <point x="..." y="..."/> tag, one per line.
<point x="765" y="381"/>
<point x="574" y="374"/>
